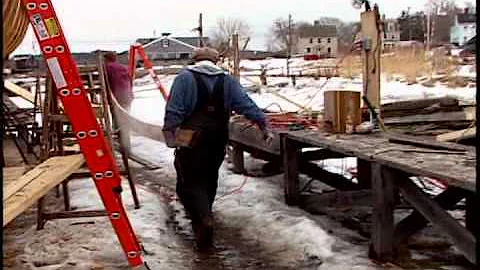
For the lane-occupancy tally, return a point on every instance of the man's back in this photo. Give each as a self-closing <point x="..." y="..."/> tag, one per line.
<point x="184" y="95"/>
<point x="120" y="82"/>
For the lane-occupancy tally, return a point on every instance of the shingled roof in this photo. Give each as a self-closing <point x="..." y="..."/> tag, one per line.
<point x="193" y="41"/>
<point x="317" y="31"/>
<point x="467" y="18"/>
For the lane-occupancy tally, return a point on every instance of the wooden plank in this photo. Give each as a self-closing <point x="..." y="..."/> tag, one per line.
<point x="467" y="114"/>
<point x="425" y="143"/>
<point x="457" y="135"/>
<point x="460" y="236"/>
<point x="23" y="180"/>
<point x="418" y="104"/>
<point x="456" y="169"/>
<point x="54" y="171"/>
<point x="291" y="159"/>
<point x="415" y="221"/>
<point x="15" y="89"/>
<point x="382" y="221"/>
<point x="11" y="174"/>
<point x="142" y="128"/>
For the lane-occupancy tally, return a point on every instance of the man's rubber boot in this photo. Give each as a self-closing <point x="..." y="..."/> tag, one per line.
<point x="203" y="231"/>
<point x="209" y="228"/>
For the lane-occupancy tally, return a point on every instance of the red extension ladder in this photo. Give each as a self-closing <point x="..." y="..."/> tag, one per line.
<point x="94" y="146"/>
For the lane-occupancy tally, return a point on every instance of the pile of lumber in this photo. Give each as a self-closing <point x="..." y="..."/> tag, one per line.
<point x="21" y="191"/>
<point x="443" y="117"/>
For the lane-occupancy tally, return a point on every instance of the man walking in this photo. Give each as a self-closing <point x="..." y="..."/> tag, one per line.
<point x="121" y="85"/>
<point x="202" y="98"/>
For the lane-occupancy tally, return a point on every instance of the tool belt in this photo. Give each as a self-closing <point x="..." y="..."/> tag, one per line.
<point x="188" y="138"/>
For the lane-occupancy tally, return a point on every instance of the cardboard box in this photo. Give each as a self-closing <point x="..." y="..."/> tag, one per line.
<point x="341" y="107"/>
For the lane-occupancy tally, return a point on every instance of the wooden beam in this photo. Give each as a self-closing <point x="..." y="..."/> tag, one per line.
<point x="460" y="236"/>
<point x="426" y="143"/>
<point x="457" y="135"/>
<point x="415" y="221"/>
<point x="319" y="203"/>
<point x="383" y="186"/>
<point x="320" y="154"/>
<point x="468" y="114"/>
<point x="15" y="89"/>
<point x="332" y="179"/>
<point x="53" y="172"/>
<point x="291" y="160"/>
<point x="371" y="58"/>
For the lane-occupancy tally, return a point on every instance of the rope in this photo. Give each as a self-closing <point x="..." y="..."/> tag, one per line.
<point x="15" y="25"/>
<point x="233" y="191"/>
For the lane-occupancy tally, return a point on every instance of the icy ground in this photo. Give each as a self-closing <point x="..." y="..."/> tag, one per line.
<point x="255" y="229"/>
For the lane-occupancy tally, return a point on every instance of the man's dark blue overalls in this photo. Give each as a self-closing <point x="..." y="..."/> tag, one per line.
<point x="197" y="166"/>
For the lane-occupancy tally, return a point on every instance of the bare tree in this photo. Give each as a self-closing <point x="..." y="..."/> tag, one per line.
<point x="277" y="37"/>
<point x="226" y="27"/>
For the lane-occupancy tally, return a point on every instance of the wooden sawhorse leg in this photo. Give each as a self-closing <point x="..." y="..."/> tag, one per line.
<point x="291" y="161"/>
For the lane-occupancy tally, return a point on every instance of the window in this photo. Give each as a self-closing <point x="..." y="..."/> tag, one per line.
<point x="329" y="40"/>
<point x="165" y="43"/>
<point x="311" y="40"/>
<point x="393" y="36"/>
<point x="309" y="50"/>
<point x="319" y="40"/>
<point x="385" y="35"/>
<point x="184" y="55"/>
<point x="329" y="50"/>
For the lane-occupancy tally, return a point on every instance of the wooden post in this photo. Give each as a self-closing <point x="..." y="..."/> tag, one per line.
<point x="291" y="159"/>
<point x="371" y="34"/>
<point x="383" y="221"/>
<point x="415" y="221"/>
<point x="105" y="101"/>
<point x="237" y="159"/>
<point x="364" y="171"/>
<point x="200" y="30"/>
<point x="459" y="235"/>
<point x="289" y="50"/>
<point x="236" y="57"/>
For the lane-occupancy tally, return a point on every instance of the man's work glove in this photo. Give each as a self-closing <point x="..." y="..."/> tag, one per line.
<point x="268" y="135"/>
<point x="169" y="138"/>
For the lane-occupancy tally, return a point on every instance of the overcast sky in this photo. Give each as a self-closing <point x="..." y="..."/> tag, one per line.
<point x="114" y="24"/>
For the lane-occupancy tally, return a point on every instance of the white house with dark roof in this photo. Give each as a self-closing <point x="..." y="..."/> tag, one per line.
<point x="318" y="39"/>
<point x="464" y="28"/>
<point x="170" y="48"/>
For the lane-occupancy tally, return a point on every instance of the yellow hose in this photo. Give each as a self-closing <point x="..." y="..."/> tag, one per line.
<point x="15" y="25"/>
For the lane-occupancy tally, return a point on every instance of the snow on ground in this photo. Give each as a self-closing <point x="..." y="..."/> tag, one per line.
<point x="468" y="71"/>
<point x="289" y="235"/>
<point x="82" y="244"/>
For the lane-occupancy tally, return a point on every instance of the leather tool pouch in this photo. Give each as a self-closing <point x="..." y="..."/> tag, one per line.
<point x="187" y="138"/>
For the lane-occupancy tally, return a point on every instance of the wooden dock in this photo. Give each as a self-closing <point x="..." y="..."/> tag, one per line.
<point x="386" y="164"/>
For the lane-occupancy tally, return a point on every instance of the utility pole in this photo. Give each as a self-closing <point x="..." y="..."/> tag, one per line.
<point x="200" y="30"/>
<point x="236" y="57"/>
<point x="289" y="49"/>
